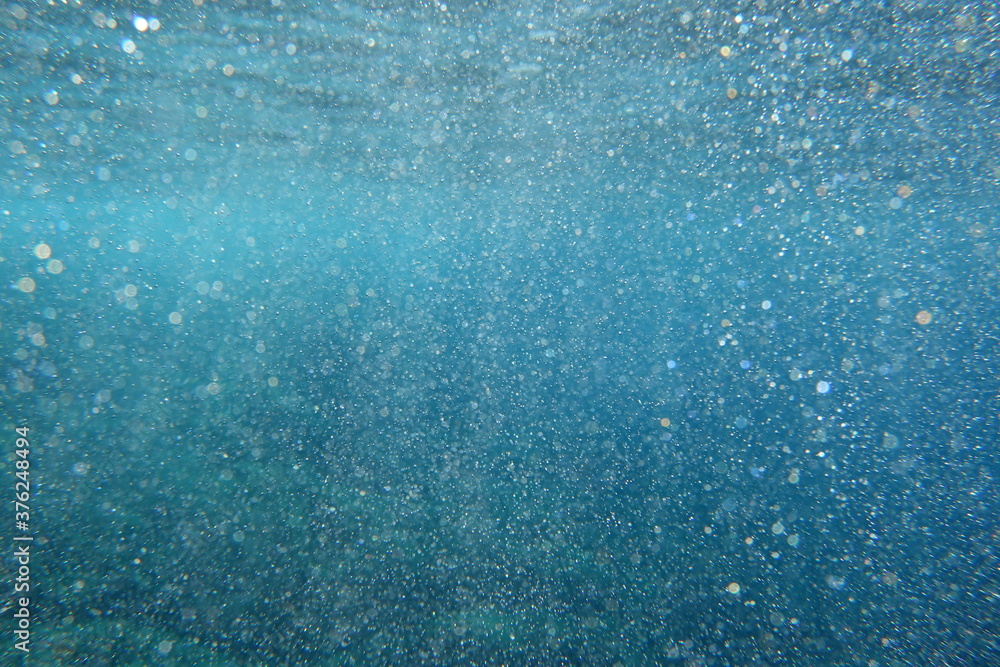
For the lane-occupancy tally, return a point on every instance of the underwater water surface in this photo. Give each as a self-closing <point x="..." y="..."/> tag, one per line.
<point x="503" y="333"/>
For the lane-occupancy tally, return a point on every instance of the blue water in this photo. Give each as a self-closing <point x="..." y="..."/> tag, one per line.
<point x="503" y="333"/>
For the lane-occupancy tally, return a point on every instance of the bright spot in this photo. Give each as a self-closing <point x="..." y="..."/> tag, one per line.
<point x="766" y="305"/>
<point x="822" y="387"/>
<point x="43" y="251"/>
<point x="26" y="285"/>
<point x="924" y="317"/>
<point x="733" y="588"/>
<point x="142" y="25"/>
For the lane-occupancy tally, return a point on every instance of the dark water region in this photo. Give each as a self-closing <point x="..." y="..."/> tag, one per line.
<point x="504" y="333"/>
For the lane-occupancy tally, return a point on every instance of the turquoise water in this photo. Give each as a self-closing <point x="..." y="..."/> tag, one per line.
<point x="503" y="333"/>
